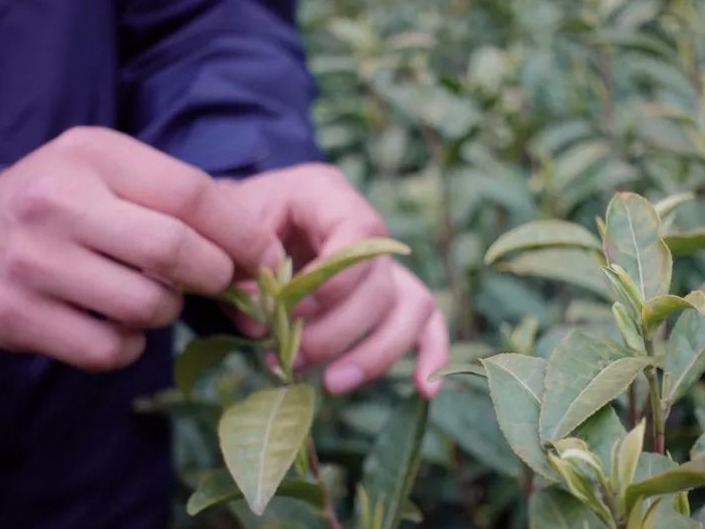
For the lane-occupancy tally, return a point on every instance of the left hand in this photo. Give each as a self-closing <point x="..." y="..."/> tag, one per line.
<point x="365" y="318"/>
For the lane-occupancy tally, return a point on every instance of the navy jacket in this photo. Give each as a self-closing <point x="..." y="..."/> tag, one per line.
<point x="221" y="84"/>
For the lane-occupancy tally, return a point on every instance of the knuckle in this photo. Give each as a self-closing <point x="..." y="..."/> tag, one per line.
<point x="38" y="200"/>
<point x="143" y="307"/>
<point x="164" y="253"/>
<point x="12" y="315"/>
<point x="80" y="139"/>
<point x="20" y="264"/>
<point x="190" y="193"/>
<point x="106" y="354"/>
<point x="372" y="223"/>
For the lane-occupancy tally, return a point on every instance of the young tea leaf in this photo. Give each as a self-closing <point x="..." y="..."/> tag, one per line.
<point x="628" y="456"/>
<point x="684" y="477"/>
<point x="304" y="283"/>
<point x="458" y="369"/>
<point x="541" y="234"/>
<point x="390" y="469"/>
<point x="516" y="386"/>
<point x="657" y="309"/>
<point x="633" y="241"/>
<point x="260" y="436"/>
<point x="583" y="374"/>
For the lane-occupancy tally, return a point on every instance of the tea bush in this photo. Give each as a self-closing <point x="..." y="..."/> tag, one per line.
<point x="462" y="120"/>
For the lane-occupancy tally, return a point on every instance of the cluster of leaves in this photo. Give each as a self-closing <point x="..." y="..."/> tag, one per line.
<point x="556" y="412"/>
<point x="264" y="438"/>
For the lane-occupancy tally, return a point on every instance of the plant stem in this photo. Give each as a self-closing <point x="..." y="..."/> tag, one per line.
<point x="657" y="416"/>
<point x="328" y="511"/>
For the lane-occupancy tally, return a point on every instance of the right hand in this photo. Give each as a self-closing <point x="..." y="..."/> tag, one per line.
<point x="95" y="222"/>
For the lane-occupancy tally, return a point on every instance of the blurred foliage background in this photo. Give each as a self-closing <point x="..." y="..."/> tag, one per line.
<point x="461" y="119"/>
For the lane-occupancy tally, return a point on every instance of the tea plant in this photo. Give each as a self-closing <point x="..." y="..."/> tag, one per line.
<point x="265" y="438"/>
<point x="560" y="414"/>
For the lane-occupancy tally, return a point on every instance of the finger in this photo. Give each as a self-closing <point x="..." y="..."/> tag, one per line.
<point x="341" y="327"/>
<point x="138" y="173"/>
<point x="395" y="335"/>
<point x="66" y="334"/>
<point x="156" y="243"/>
<point x="93" y="282"/>
<point x="344" y="283"/>
<point x="432" y="354"/>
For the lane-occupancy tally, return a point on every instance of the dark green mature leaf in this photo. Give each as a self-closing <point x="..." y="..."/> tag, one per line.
<point x="665" y="516"/>
<point x="685" y="477"/>
<point x="685" y="361"/>
<point x="390" y="469"/>
<point x="583" y="374"/>
<point x="516" y="386"/>
<point x="539" y="234"/>
<point x="633" y="241"/>
<point x="218" y="486"/>
<point x="307" y="282"/>
<point x="281" y="513"/>
<point x="686" y="243"/>
<point x="571" y="265"/>
<point x="260" y="436"/>
<point x="202" y="354"/>
<point x="468" y="417"/>
<point x="554" y="508"/>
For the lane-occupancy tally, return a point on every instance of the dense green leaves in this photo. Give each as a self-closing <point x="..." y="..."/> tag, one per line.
<point x="633" y="241"/>
<point x="555" y="509"/>
<point x="583" y="374"/>
<point x="516" y="385"/>
<point x="260" y="436"/>
<point x="390" y="468"/>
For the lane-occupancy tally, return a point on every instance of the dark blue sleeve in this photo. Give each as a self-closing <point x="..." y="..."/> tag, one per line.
<point x="221" y="84"/>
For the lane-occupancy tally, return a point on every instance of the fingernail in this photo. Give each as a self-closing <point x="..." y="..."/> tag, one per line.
<point x="273" y="256"/>
<point x="344" y="378"/>
<point x="432" y="388"/>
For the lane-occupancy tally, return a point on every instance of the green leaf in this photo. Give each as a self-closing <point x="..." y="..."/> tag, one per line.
<point x="539" y="234"/>
<point x="668" y="205"/>
<point x="664" y="515"/>
<point x="467" y="416"/>
<point x="685" y="361"/>
<point x="553" y="508"/>
<point x="580" y="484"/>
<point x="633" y="241"/>
<point x="686" y="243"/>
<point x="260" y="436"/>
<point x="698" y="448"/>
<point x="390" y="469"/>
<point x="628" y="327"/>
<point x="218" y="486"/>
<point x="628" y="456"/>
<point x="571" y="265"/>
<point x="684" y="477"/>
<point x="202" y="354"/>
<point x="462" y="368"/>
<point x="657" y="309"/>
<point x="601" y="432"/>
<point x="308" y="281"/>
<point x="583" y="374"/>
<point x="516" y="387"/>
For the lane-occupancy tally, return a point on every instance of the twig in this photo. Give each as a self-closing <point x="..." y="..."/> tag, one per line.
<point x="329" y="510"/>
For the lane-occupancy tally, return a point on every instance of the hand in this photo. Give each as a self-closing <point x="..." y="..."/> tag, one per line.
<point x="97" y="223"/>
<point x="365" y="318"/>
